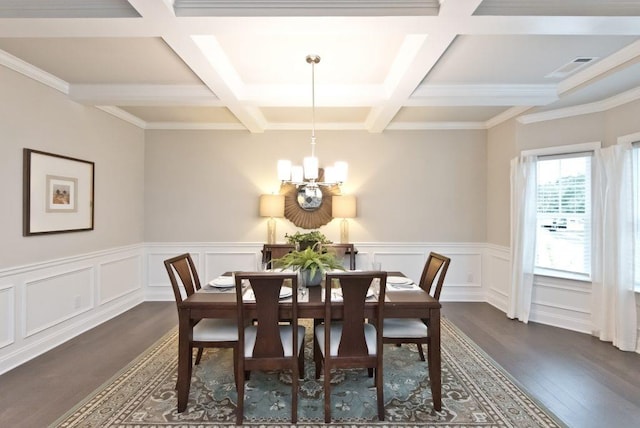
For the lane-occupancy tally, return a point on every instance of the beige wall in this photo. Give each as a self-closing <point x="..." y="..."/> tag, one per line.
<point x="572" y="130"/>
<point x="35" y="116"/>
<point x="501" y="148"/>
<point x="623" y="120"/>
<point x="411" y="186"/>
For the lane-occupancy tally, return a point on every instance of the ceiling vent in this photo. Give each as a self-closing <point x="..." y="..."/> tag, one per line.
<point x="571" y="67"/>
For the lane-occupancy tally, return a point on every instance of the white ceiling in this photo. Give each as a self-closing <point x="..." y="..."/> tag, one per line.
<point x="415" y="64"/>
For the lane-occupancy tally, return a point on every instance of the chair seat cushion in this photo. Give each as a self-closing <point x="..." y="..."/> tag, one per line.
<point x="285" y="336"/>
<point x="404" y="327"/>
<point x="336" y="334"/>
<point x="215" y="330"/>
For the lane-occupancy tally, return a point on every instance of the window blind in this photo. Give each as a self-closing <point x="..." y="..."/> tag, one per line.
<point x="563" y="237"/>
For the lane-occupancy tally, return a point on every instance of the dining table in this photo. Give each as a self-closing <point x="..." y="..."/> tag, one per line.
<point x="405" y="302"/>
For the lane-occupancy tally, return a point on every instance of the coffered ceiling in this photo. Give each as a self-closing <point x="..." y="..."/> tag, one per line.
<point x="416" y="64"/>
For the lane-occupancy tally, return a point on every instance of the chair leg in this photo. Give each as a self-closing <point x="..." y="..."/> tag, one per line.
<point x="294" y="394"/>
<point x="301" y="363"/>
<point x="380" y="392"/>
<point x="317" y="357"/>
<point x="235" y="365"/>
<point x="420" y="351"/>
<point x="199" y="356"/>
<point x="327" y="395"/>
<point x="240" y="407"/>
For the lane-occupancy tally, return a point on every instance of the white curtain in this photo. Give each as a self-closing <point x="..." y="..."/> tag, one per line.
<point x="613" y="298"/>
<point x="523" y="236"/>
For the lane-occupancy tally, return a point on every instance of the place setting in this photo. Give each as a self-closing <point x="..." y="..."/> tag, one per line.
<point x="221" y="284"/>
<point x="401" y="283"/>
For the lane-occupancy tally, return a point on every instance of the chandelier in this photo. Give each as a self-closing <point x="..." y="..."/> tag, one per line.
<point x="307" y="175"/>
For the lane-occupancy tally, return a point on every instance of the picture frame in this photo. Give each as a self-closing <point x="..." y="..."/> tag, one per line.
<point x="58" y="193"/>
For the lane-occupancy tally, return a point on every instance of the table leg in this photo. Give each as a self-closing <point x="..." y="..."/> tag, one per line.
<point x="435" y="369"/>
<point x="184" y="358"/>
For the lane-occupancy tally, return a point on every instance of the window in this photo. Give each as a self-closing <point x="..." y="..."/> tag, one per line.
<point x="563" y="229"/>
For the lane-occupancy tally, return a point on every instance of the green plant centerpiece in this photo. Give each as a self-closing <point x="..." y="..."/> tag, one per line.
<point x="312" y="264"/>
<point x="305" y="240"/>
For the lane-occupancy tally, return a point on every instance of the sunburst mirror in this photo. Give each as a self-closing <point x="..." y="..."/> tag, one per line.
<point x="308" y="207"/>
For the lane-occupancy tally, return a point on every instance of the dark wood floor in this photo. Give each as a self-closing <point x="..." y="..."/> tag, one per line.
<point x="585" y="382"/>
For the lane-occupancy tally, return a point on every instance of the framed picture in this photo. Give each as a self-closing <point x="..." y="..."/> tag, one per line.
<point x="58" y="193"/>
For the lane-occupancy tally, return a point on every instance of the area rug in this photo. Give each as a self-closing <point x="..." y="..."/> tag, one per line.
<point x="476" y="392"/>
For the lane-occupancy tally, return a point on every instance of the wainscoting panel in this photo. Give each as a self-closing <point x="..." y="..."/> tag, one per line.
<point x="408" y="262"/>
<point x="496" y="276"/>
<point x="117" y="278"/>
<point x="156" y="272"/>
<point x="217" y="262"/>
<point x="8" y="319"/>
<point x="561" y="303"/>
<point x="211" y="260"/>
<point x="51" y="302"/>
<point x="72" y="292"/>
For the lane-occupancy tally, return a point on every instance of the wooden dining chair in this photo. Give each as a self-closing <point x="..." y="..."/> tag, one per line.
<point x="207" y="332"/>
<point x="266" y="344"/>
<point x="414" y="330"/>
<point x="341" y="250"/>
<point x="275" y="251"/>
<point x="346" y="339"/>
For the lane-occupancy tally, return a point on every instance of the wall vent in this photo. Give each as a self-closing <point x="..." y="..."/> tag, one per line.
<point x="571" y="67"/>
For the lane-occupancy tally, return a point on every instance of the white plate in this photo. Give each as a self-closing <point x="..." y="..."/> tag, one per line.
<point x="284" y="293"/>
<point x="223" y="282"/>
<point x="398" y="280"/>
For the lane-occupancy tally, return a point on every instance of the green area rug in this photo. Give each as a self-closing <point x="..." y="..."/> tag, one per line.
<point x="476" y="392"/>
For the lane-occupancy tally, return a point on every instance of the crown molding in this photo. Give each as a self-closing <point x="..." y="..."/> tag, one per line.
<point x="506" y="115"/>
<point x="32" y="72"/>
<point x="123" y="115"/>
<point x="595" y="107"/>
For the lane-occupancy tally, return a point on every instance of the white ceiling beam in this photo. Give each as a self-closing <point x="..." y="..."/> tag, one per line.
<point x="185" y="47"/>
<point x="624" y="57"/>
<point x="418" y="55"/>
<point x="431" y="50"/>
<point x="150" y="26"/>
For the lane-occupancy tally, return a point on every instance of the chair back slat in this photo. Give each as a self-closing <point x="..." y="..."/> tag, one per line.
<point x="435" y="267"/>
<point x="182" y="272"/>
<point x="354" y="286"/>
<point x="354" y="294"/>
<point x="267" y="294"/>
<point x="266" y="289"/>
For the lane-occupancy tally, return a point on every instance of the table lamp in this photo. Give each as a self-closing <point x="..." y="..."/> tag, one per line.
<point x="271" y="206"/>
<point x="343" y="207"/>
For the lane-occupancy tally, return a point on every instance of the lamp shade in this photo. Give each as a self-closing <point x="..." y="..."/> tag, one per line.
<point x="343" y="206"/>
<point x="272" y="205"/>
